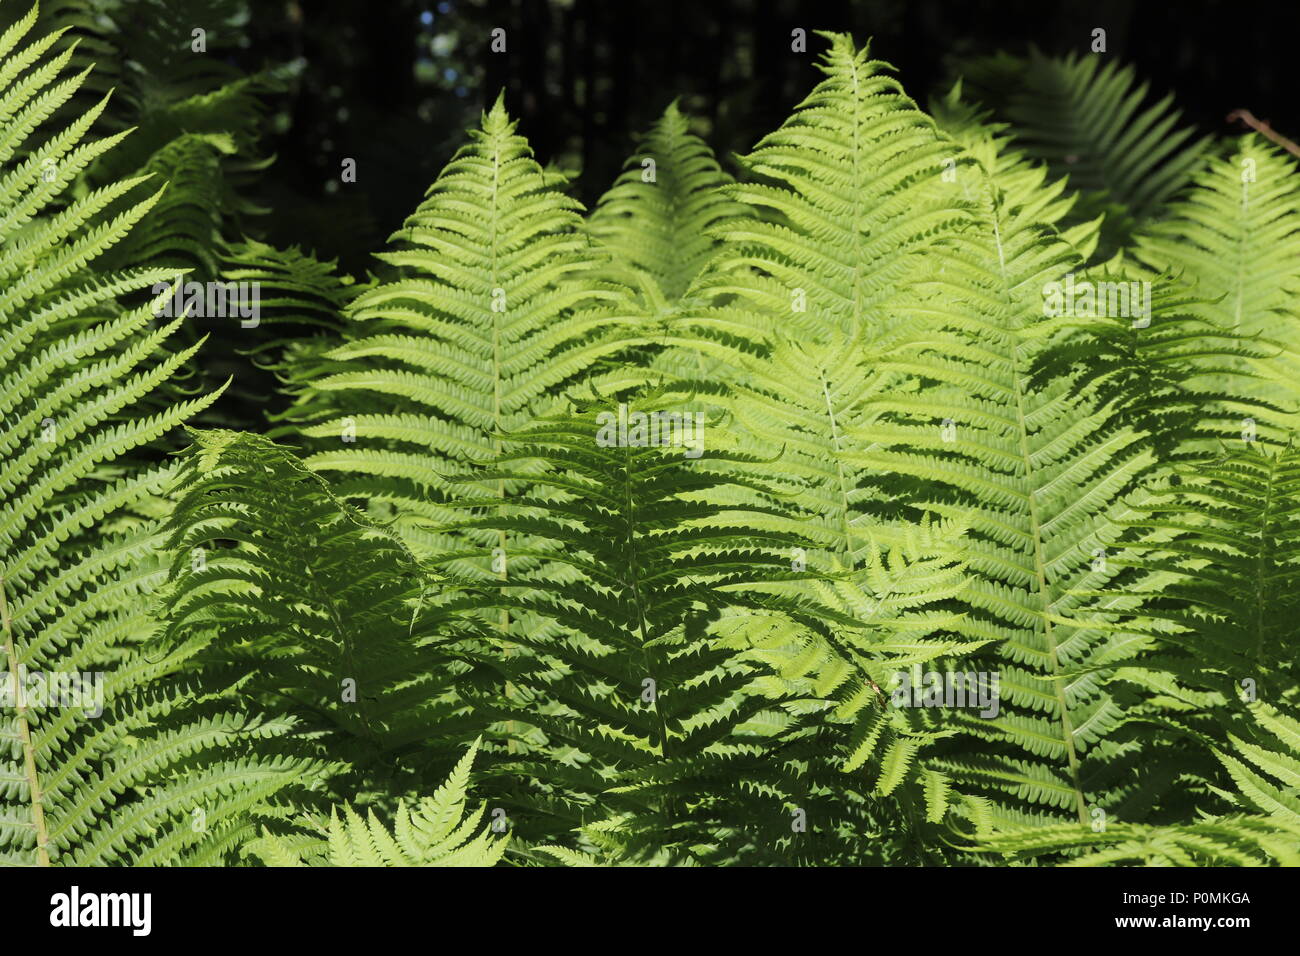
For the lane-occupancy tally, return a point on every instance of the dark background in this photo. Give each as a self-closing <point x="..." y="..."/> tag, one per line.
<point x="392" y="83"/>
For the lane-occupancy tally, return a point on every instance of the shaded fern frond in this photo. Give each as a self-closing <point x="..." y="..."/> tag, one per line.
<point x="1231" y="840"/>
<point x="1090" y="120"/>
<point x="322" y="612"/>
<point x="645" y="718"/>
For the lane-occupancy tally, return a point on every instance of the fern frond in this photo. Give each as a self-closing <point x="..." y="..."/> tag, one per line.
<point x="1090" y="120"/>
<point x="843" y="202"/>
<point x="1231" y="840"/>
<point x="494" y="315"/>
<point x="626" y="679"/>
<point x="328" y="615"/>
<point x="435" y="832"/>
<point x="130" y="763"/>
<point x="1234" y="240"/>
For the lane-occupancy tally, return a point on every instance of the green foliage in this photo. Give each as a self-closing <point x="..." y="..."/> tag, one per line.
<point x="656" y="730"/>
<point x="656" y="219"/>
<point x="491" y="316"/>
<point x="1089" y="119"/>
<point x="1233" y="240"/>
<point x="436" y="832"/>
<point x="1267" y="835"/>
<point x="314" y="607"/>
<point x="144" y="765"/>
<point x="633" y="523"/>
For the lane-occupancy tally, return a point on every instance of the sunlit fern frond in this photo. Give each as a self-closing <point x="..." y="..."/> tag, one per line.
<point x="133" y="763"/>
<point x="495" y="313"/>
<point x="435" y="831"/>
<point x="1235" y="241"/>
<point x="1039" y="468"/>
<point x="843" y="202"/>
<point x="656" y="219"/>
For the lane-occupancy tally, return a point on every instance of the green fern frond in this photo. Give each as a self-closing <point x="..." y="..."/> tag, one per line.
<point x="626" y="678"/>
<point x="656" y="220"/>
<point x="1230" y="840"/>
<point x="1234" y="240"/>
<point x="136" y="765"/>
<point x="435" y="832"/>
<point x="296" y="287"/>
<point x="844" y="200"/>
<point x="1039" y="466"/>
<point x="495" y="314"/>
<point x="1090" y="120"/>
<point x="322" y="611"/>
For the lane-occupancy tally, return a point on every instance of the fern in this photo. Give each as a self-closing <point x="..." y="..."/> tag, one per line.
<point x="1233" y="241"/>
<point x="840" y="210"/>
<point x="491" y="318"/>
<point x="645" y="514"/>
<point x="1229" y="840"/>
<point x="1040" y="468"/>
<point x="436" y="832"/>
<point x="320" y="612"/>
<point x="168" y="769"/>
<point x="658" y="226"/>
<point x="626" y="682"/>
<point x="655" y="222"/>
<point x="1091" y="121"/>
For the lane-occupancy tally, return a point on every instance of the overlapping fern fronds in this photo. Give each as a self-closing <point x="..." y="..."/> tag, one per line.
<point x="140" y="766"/>
<point x="1234" y="241"/>
<point x="1090" y="120"/>
<point x="654" y="739"/>
<point x="653" y="512"/>
<point x="317" y="610"/>
<point x="435" y="832"/>
<point x="1040" y="469"/>
<point x="1264" y="777"/>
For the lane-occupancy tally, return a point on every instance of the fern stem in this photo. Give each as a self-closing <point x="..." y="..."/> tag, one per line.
<point x="24" y="733"/>
<point x="845" y="518"/>
<point x="1040" y="565"/>
<point x="633" y="573"/>
<point x="1044" y="596"/>
<point x="1264" y="555"/>
<point x="503" y="617"/>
